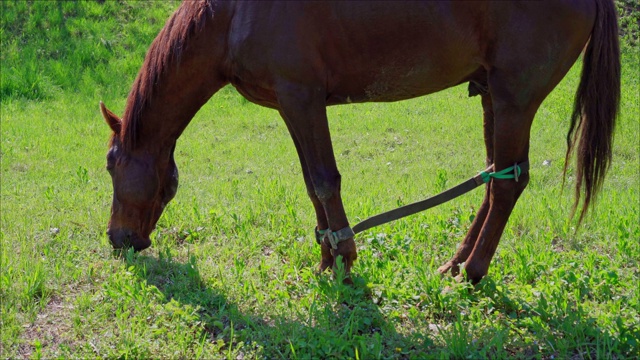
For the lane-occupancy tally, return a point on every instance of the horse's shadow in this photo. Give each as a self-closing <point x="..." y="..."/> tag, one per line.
<point x="342" y="320"/>
<point x="330" y="332"/>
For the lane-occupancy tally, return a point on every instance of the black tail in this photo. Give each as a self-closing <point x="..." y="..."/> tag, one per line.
<point x="596" y="107"/>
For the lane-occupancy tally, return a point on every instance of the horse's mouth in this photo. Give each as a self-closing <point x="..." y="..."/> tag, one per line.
<point x="123" y="239"/>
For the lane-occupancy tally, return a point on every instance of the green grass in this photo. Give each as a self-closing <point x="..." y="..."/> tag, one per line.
<point x="50" y="47"/>
<point x="232" y="269"/>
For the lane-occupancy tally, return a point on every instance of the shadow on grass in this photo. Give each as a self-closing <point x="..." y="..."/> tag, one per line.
<point x="344" y="322"/>
<point x="557" y="324"/>
<point x="350" y="327"/>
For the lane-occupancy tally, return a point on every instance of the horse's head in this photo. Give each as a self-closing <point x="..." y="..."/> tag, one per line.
<point x="143" y="184"/>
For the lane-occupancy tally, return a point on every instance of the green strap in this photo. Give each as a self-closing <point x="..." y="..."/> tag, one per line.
<point x="508" y="173"/>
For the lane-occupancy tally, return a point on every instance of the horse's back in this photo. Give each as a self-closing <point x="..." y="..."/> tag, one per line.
<point x="386" y="51"/>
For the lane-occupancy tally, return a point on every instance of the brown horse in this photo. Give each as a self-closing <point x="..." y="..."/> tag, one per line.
<point x="299" y="57"/>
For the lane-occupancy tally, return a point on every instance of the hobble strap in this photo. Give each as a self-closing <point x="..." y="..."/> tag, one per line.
<point x="320" y="235"/>
<point x="335" y="237"/>
<point x="512" y="172"/>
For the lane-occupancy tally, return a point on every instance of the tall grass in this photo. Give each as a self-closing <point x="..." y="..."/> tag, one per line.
<point x="84" y="47"/>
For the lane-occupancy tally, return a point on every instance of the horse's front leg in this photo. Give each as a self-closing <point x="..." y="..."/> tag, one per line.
<point x="321" y="219"/>
<point x="304" y="110"/>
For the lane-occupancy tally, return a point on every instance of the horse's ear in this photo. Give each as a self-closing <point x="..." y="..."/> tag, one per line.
<point x="112" y="119"/>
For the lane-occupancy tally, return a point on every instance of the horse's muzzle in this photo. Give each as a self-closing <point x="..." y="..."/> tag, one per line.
<point x="123" y="238"/>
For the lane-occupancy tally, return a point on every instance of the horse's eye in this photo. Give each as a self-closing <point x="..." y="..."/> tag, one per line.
<point x="111" y="163"/>
<point x="111" y="159"/>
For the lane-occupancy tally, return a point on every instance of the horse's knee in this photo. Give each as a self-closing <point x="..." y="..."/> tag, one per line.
<point x="325" y="189"/>
<point x="312" y="193"/>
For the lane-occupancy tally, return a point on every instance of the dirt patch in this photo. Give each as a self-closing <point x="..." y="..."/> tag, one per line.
<point x="49" y="329"/>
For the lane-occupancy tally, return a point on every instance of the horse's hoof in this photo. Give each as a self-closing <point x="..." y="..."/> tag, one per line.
<point x="324" y="265"/>
<point x="473" y="276"/>
<point x="449" y="267"/>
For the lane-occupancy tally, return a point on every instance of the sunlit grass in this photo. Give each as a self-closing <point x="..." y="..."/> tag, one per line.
<point x="232" y="269"/>
<point x="235" y="246"/>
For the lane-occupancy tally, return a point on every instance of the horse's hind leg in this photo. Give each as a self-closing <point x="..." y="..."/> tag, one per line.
<point x="514" y="108"/>
<point x="465" y="248"/>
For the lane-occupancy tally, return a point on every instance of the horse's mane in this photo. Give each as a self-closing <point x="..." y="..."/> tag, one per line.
<point x="164" y="53"/>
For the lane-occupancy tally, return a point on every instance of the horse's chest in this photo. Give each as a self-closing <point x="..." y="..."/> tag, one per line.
<point x="261" y="95"/>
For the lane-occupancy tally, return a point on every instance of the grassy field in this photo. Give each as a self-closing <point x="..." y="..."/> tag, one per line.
<point x="231" y="273"/>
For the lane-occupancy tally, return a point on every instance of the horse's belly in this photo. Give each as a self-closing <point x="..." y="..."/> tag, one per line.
<point x="389" y="84"/>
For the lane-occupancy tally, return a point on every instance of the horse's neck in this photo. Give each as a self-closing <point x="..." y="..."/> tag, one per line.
<point x="181" y="90"/>
<point x="171" y="109"/>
